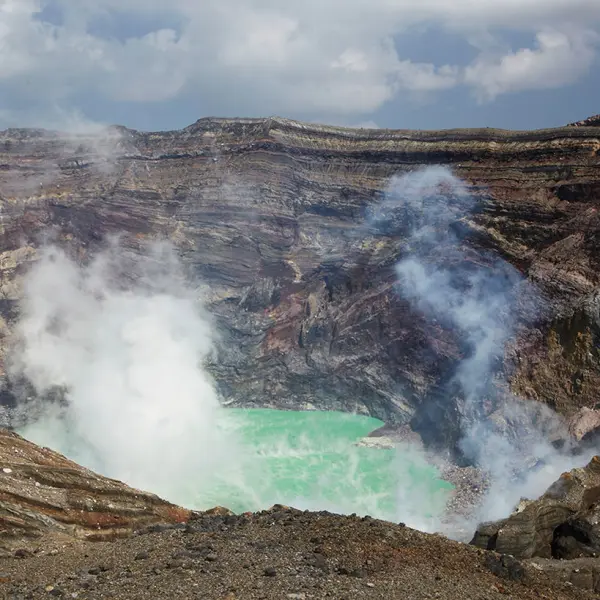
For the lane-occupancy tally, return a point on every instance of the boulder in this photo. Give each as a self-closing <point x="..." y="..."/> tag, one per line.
<point x="584" y="424"/>
<point x="562" y="523"/>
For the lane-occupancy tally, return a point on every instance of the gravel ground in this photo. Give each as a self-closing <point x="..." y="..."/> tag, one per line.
<point x="277" y="554"/>
<point x="470" y="486"/>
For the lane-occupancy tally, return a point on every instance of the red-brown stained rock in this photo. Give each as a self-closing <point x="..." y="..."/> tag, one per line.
<point x="41" y="491"/>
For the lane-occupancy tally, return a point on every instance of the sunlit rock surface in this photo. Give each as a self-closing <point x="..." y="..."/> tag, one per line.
<point x="44" y="493"/>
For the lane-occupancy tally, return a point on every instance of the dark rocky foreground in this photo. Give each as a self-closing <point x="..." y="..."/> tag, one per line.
<point x="69" y="533"/>
<point x="279" y="554"/>
<point x="271" y="214"/>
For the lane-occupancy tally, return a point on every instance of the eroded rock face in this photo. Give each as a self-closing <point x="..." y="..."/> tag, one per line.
<point x="562" y="523"/>
<point x="270" y="214"/>
<point x="42" y="492"/>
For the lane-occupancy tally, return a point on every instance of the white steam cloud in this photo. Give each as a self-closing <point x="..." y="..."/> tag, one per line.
<point x="129" y="356"/>
<point x="115" y="351"/>
<point x="476" y="296"/>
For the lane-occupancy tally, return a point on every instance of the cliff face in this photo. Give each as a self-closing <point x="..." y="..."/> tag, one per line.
<point x="52" y="510"/>
<point x="271" y="215"/>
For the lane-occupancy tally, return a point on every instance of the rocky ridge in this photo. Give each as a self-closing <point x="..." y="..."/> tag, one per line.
<point x="69" y="533"/>
<point x="270" y="213"/>
<point x="563" y="523"/>
<point x="43" y="494"/>
<point x="589" y="122"/>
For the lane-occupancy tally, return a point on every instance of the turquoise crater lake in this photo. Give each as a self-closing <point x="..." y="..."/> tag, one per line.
<point x="306" y="459"/>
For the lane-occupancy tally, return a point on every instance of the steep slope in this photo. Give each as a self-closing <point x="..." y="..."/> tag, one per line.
<point x="43" y="494"/>
<point x="68" y="532"/>
<point x="270" y="213"/>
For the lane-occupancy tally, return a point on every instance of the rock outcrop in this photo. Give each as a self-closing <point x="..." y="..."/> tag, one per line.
<point x="563" y="523"/>
<point x="42" y="494"/>
<point x="589" y="122"/>
<point x="270" y="214"/>
<point x="584" y="424"/>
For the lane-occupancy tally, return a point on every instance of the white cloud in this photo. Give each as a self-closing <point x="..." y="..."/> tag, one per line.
<point x="332" y="58"/>
<point x="559" y="59"/>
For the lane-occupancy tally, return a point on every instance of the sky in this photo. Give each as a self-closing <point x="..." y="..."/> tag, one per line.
<point x="414" y="64"/>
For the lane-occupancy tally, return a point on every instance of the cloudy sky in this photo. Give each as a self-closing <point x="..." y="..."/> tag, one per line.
<point x="162" y="64"/>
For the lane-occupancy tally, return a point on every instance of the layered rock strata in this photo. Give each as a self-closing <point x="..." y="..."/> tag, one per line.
<point x="43" y="494"/>
<point x="270" y="214"/>
<point x="563" y="523"/>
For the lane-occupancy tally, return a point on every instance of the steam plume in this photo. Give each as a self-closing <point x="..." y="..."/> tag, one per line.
<point x="477" y="296"/>
<point x="129" y="357"/>
<point x="124" y="340"/>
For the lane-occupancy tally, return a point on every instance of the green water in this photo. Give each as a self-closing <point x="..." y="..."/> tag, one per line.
<point x="305" y="459"/>
<point x="310" y="460"/>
